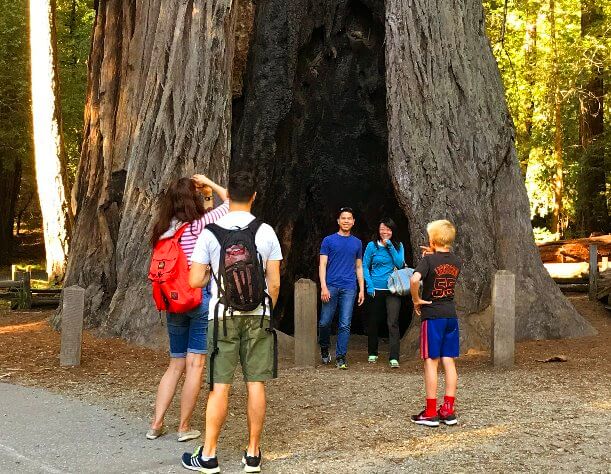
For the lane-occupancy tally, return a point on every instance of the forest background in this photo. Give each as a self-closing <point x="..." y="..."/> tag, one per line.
<point x="553" y="56"/>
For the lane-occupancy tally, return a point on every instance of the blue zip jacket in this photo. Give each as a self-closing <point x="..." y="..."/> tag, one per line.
<point x="379" y="262"/>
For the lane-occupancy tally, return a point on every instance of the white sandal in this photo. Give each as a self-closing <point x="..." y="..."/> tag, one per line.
<point x="188" y="435"/>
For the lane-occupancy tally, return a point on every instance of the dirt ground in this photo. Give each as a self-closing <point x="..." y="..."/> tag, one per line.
<point x="544" y="417"/>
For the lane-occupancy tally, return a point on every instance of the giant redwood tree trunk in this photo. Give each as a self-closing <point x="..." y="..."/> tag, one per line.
<point x="158" y="107"/>
<point x="452" y="155"/>
<point x="314" y="123"/>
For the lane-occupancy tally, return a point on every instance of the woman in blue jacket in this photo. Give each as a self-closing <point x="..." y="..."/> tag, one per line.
<point x="382" y="255"/>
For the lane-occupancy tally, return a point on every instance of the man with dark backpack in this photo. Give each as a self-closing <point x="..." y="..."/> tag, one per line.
<point x="242" y="258"/>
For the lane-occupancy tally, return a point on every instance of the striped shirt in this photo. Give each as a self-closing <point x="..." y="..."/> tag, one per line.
<point x="191" y="233"/>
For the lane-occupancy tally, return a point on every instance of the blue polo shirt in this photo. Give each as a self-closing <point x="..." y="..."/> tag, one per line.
<point x="342" y="252"/>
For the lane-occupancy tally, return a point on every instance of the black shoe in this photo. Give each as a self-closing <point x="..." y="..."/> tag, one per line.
<point x="341" y="362"/>
<point x="195" y="462"/>
<point x="446" y="417"/>
<point x="324" y="355"/>
<point x="421" y="419"/>
<point x="251" y="463"/>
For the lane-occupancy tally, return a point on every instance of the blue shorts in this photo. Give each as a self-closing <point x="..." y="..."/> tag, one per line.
<point x="439" y="338"/>
<point x="188" y="331"/>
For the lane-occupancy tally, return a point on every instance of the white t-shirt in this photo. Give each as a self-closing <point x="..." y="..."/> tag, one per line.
<point x="207" y="252"/>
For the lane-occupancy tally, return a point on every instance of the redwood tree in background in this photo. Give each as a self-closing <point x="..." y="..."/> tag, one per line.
<point x="593" y="214"/>
<point x="158" y="107"/>
<point x="49" y="155"/>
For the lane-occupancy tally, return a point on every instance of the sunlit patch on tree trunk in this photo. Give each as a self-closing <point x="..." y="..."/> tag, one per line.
<point x="48" y="147"/>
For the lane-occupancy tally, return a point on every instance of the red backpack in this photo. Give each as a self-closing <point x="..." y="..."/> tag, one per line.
<point x="169" y="273"/>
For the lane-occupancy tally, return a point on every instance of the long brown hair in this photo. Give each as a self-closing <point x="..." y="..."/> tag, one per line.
<point x="180" y="201"/>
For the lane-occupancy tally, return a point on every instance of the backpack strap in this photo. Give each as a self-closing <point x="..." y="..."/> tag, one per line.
<point x="254" y="226"/>
<point x="215" y="339"/>
<point x="181" y="230"/>
<point x="219" y="232"/>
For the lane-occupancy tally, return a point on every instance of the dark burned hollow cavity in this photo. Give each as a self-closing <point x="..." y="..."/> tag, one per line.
<point x="312" y="125"/>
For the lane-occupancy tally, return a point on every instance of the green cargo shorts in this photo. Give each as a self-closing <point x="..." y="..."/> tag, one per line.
<point x="245" y="341"/>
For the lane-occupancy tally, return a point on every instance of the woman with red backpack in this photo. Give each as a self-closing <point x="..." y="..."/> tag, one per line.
<point x="185" y="209"/>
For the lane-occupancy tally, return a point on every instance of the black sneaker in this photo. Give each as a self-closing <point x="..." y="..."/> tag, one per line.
<point x="324" y="355"/>
<point x="420" y="419"/>
<point x="341" y="363"/>
<point x="195" y="462"/>
<point x="449" y="418"/>
<point x="251" y="463"/>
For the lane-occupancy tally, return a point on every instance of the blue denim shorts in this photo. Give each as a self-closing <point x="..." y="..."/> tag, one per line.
<point x="188" y="331"/>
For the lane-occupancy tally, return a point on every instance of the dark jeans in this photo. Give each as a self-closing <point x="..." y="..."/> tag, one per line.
<point x="383" y="306"/>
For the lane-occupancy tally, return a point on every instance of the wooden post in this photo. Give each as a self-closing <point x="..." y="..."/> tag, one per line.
<point x="504" y="323"/>
<point x="306" y="323"/>
<point x="14" y="270"/>
<point x="25" y="299"/>
<point x="27" y="288"/>
<point x="72" y="326"/>
<point x="593" y="280"/>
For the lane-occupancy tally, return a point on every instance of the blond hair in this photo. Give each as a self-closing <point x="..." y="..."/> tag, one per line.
<point x="441" y="232"/>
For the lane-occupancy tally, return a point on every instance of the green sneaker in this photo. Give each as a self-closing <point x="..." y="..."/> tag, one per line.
<point x="394" y="363"/>
<point x="372" y="359"/>
<point x="341" y="363"/>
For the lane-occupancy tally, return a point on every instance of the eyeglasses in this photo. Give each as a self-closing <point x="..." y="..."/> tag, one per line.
<point x="346" y="209"/>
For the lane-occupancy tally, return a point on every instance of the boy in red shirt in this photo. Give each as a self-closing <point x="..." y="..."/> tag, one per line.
<point x="438" y="271"/>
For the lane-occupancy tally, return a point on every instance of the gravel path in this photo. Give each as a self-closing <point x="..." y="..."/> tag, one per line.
<point x="543" y="417"/>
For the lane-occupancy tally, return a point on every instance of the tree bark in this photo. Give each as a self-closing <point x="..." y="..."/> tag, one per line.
<point x="452" y="155"/>
<point x="48" y="143"/>
<point x="593" y="214"/>
<point x="158" y="108"/>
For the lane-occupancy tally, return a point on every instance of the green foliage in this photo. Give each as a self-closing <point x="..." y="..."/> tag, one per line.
<point x="543" y="235"/>
<point x="529" y="77"/>
<point x="15" y="122"/>
<point x="74" y="22"/>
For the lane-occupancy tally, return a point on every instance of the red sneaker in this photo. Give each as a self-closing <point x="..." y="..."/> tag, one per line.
<point x="420" y="419"/>
<point x="445" y="416"/>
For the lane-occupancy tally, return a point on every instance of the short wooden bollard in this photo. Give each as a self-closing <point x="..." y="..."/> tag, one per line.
<point x="593" y="274"/>
<point x="26" y="288"/>
<point x="504" y="324"/>
<point x="306" y="299"/>
<point x="72" y="326"/>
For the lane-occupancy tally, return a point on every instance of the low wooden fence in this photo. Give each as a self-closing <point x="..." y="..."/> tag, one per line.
<point x="592" y="277"/>
<point x="21" y="295"/>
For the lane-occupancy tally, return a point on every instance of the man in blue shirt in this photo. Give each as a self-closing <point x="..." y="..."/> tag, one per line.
<point x="341" y="266"/>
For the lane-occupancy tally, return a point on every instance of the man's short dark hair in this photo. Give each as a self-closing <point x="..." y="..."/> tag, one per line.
<point x="345" y="209"/>
<point x="241" y="186"/>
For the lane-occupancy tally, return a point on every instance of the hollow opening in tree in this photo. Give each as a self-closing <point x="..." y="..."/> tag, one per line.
<point x="314" y="130"/>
